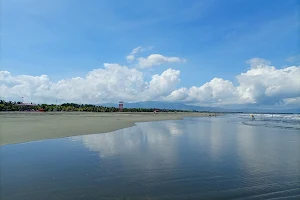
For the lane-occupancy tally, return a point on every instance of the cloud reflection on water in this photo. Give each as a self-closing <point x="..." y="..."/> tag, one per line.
<point x="148" y="135"/>
<point x="150" y="145"/>
<point x="205" y="157"/>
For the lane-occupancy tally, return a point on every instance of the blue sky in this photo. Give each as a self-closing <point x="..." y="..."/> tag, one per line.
<point x="66" y="38"/>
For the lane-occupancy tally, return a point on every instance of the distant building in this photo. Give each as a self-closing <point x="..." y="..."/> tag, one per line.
<point x="26" y="106"/>
<point x="121" y="105"/>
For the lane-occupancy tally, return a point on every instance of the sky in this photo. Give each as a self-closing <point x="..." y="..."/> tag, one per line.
<point x="210" y="52"/>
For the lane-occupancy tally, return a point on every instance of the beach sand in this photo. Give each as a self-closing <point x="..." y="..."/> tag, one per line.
<point x="18" y="127"/>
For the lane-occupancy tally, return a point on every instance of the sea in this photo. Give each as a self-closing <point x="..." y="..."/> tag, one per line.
<point x="225" y="157"/>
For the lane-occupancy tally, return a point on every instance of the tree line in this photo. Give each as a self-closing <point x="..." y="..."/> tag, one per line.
<point x="71" y="107"/>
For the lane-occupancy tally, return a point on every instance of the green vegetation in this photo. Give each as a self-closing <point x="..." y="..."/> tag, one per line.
<point x="71" y="107"/>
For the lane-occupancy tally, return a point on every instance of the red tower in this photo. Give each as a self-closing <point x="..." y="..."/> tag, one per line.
<point x="121" y="104"/>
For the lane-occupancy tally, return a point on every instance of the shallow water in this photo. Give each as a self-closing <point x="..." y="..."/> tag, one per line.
<point x="196" y="158"/>
<point x="284" y="121"/>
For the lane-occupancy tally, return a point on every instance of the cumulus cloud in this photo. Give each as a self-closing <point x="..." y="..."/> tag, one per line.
<point x="157" y="59"/>
<point x="164" y="84"/>
<point x="178" y="95"/>
<point x="261" y="84"/>
<point x="217" y="91"/>
<point x="111" y="83"/>
<point x="264" y="83"/>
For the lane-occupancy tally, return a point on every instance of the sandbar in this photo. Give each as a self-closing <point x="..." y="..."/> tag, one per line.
<point x="19" y="127"/>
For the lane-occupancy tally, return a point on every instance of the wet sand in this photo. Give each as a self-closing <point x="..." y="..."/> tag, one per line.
<point x="18" y="127"/>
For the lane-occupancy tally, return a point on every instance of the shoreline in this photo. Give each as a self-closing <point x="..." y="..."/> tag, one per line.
<point x="20" y="127"/>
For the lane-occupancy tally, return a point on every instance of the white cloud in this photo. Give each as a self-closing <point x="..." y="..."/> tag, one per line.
<point x="258" y="62"/>
<point x="265" y="83"/>
<point x="152" y="59"/>
<point x="164" y="84"/>
<point x="261" y="84"/>
<point x="157" y="59"/>
<point x="178" y="95"/>
<point x="217" y="91"/>
<point x="131" y="56"/>
<point x="292" y="101"/>
<point x="109" y="84"/>
<point x="294" y="59"/>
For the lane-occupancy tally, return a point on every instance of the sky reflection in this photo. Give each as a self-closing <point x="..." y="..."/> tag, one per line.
<point x="195" y="157"/>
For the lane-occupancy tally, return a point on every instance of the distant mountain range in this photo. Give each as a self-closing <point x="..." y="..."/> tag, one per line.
<point x="182" y="106"/>
<point x="159" y="105"/>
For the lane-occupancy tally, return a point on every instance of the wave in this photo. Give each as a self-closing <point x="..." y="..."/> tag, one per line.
<point x="285" y="121"/>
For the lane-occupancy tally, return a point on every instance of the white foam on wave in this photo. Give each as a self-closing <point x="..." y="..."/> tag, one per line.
<point x="272" y="120"/>
<point x="274" y="116"/>
<point x="281" y="116"/>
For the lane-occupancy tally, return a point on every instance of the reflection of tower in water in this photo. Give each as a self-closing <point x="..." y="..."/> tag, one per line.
<point x="121" y="104"/>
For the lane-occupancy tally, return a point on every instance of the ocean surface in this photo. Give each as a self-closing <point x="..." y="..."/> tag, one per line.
<point x="225" y="157"/>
